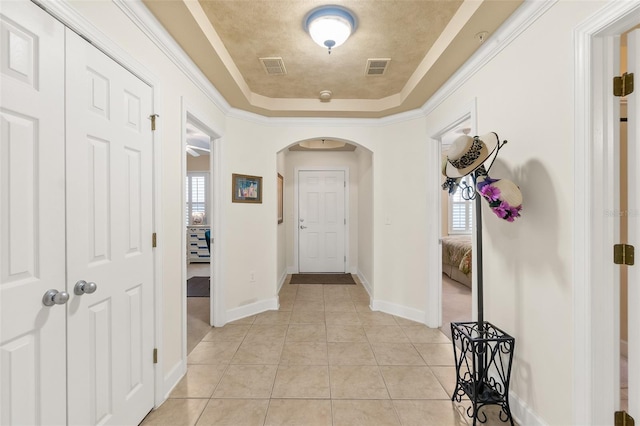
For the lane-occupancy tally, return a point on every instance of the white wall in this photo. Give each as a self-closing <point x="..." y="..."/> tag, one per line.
<point x="525" y="95"/>
<point x="365" y="217"/>
<point x="282" y="227"/>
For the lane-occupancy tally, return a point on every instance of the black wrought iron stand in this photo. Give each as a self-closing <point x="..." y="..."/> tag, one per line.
<point x="483" y="353"/>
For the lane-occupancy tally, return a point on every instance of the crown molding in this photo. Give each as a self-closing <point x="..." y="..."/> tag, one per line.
<point x="138" y="13"/>
<point x="72" y="19"/>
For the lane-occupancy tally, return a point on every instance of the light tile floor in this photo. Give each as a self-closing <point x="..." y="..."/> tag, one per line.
<point x="324" y="358"/>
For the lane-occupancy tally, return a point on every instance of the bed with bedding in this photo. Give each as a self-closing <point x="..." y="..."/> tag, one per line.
<point x="456" y="258"/>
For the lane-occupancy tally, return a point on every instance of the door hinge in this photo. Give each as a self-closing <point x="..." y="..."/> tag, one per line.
<point x="155" y="355"/>
<point x="152" y="117"/>
<point x="623" y="85"/>
<point x="623" y="254"/>
<point x="621" y="418"/>
<point x="154" y="240"/>
<point x="345" y="220"/>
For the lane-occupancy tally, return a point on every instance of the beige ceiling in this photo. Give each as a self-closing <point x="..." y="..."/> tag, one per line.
<point x="426" y="40"/>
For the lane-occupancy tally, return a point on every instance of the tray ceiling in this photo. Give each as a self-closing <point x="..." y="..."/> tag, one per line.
<point x="424" y="41"/>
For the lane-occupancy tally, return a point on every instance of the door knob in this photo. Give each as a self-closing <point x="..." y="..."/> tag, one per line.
<point x="55" y="297"/>
<point x="83" y="287"/>
<point x="303" y="227"/>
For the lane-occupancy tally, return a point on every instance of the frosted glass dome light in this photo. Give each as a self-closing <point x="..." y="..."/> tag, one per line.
<point x="330" y="26"/>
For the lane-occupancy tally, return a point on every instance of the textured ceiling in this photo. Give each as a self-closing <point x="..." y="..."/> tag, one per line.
<point x="425" y="40"/>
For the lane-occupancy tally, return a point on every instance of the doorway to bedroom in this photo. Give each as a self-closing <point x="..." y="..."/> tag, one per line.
<point x="456" y="233"/>
<point x="198" y="220"/>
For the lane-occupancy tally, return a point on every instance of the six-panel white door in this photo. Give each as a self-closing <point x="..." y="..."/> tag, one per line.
<point x="321" y="221"/>
<point x="32" y="214"/>
<point x="109" y="239"/>
<point x="633" y="296"/>
<point x="89" y="361"/>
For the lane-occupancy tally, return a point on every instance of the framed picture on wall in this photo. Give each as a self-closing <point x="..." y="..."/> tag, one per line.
<point x="280" y="198"/>
<point x="246" y="189"/>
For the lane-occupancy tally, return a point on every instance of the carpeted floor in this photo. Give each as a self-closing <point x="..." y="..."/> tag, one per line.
<point x="322" y="279"/>
<point x="198" y="287"/>
<point x="456" y="303"/>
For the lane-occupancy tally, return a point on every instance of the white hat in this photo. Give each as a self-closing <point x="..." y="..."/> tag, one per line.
<point x="504" y="197"/>
<point x="468" y="153"/>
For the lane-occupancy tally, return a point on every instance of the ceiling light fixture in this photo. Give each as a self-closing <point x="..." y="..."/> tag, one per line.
<point x="330" y="26"/>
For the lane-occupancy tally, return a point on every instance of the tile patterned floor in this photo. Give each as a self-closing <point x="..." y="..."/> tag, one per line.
<point x="324" y="358"/>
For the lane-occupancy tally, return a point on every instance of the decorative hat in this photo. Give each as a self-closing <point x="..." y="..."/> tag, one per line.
<point x="504" y="197"/>
<point x="468" y="153"/>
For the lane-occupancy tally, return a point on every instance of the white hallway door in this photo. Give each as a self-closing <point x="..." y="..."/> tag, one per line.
<point x="101" y="235"/>
<point x="321" y="221"/>
<point x="633" y="138"/>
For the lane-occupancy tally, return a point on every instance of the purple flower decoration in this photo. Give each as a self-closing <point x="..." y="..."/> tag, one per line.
<point x="501" y="210"/>
<point x="490" y="192"/>
<point x="485" y="182"/>
<point x="515" y="211"/>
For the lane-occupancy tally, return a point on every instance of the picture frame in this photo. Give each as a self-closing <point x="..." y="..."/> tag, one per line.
<point x="246" y="188"/>
<point x="280" y="199"/>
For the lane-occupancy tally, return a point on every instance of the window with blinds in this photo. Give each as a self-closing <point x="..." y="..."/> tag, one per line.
<point x="460" y="211"/>
<point x="196" y="205"/>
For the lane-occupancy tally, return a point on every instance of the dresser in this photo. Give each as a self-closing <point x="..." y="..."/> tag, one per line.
<point x="197" y="244"/>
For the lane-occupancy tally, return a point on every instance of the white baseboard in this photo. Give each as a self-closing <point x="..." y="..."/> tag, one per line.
<point x="254" y="308"/>
<point x="283" y="278"/>
<point x="399" y="310"/>
<point x="365" y="283"/>
<point x="522" y="413"/>
<point x="292" y="270"/>
<point x="171" y="379"/>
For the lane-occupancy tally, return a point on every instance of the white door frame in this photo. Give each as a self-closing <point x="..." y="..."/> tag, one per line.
<point x="297" y="170"/>
<point x="434" y="248"/>
<point x="217" y="315"/>
<point x="595" y="293"/>
<point x="66" y="14"/>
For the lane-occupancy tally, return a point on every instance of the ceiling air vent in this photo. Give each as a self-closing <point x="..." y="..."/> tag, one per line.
<point x="377" y="66"/>
<point x="273" y="65"/>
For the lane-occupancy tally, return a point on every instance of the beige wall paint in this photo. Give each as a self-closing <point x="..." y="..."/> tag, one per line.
<point x="366" y="194"/>
<point x="198" y="164"/>
<point x="282" y="227"/>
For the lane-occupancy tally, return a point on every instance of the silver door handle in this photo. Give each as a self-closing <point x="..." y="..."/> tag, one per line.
<point x="55" y="297"/>
<point x="83" y="287"/>
<point x="303" y="227"/>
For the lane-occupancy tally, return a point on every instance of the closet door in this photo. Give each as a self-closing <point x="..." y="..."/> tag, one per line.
<point x="32" y="236"/>
<point x="109" y="239"/>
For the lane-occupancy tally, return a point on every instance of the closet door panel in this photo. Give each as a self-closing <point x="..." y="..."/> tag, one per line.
<point x="32" y="216"/>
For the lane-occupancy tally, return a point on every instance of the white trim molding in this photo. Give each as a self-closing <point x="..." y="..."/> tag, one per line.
<point x="254" y="308"/>
<point x="595" y="343"/>
<point x="399" y="310"/>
